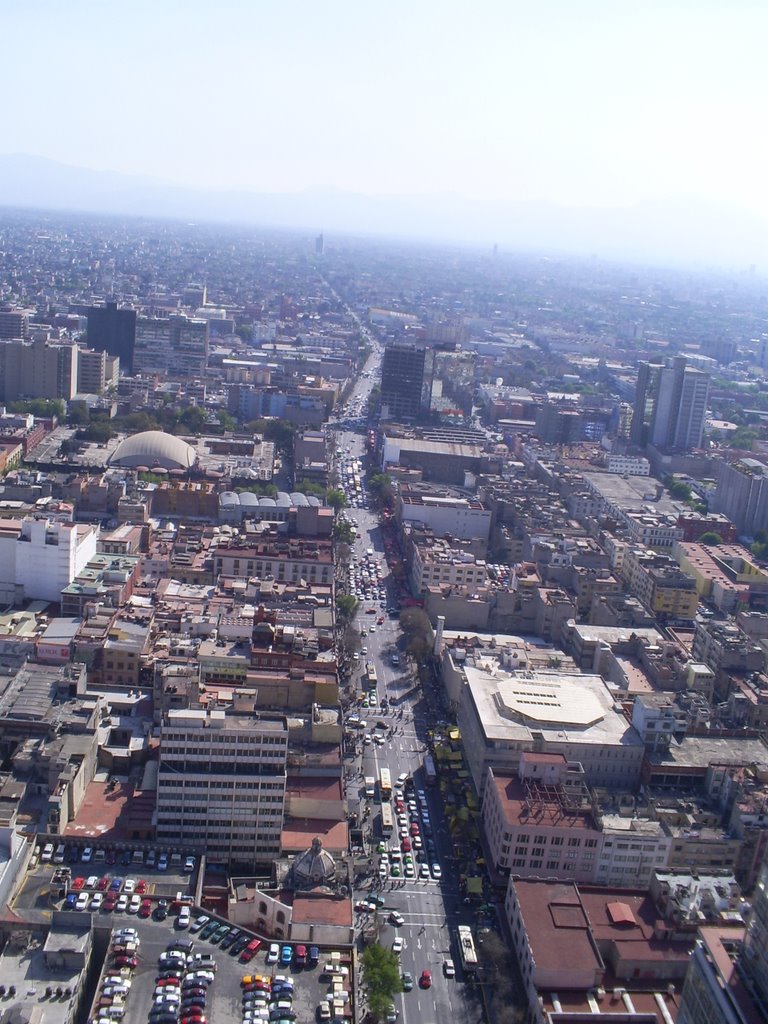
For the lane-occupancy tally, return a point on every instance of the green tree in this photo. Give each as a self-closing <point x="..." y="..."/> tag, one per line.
<point x="77" y="414"/>
<point x="381" y="973"/>
<point x="310" y="487"/>
<point x="227" y="423"/>
<point x="382" y="491"/>
<point x="415" y="623"/>
<point x="336" y="498"/>
<point x="343" y="532"/>
<point x="346" y="606"/>
<point x="744" y="438"/>
<point x="193" y="419"/>
<point x="710" y="537"/>
<point x="99" y="431"/>
<point x="282" y="434"/>
<point x="43" y="408"/>
<point x="678" y="489"/>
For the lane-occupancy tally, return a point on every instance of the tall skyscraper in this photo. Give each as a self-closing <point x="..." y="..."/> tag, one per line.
<point x="406" y="380"/>
<point x="670" y="404"/>
<point x="113" y="330"/>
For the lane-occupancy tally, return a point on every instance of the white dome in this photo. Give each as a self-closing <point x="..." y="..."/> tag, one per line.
<point x="154" y="448"/>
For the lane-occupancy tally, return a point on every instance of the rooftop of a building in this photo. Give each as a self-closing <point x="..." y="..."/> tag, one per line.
<point x="563" y="707"/>
<point x="701" y="751"/>
<point x="549" y="806"/>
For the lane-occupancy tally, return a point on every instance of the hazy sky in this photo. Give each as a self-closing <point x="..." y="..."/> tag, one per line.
<point x="575" y="101"/>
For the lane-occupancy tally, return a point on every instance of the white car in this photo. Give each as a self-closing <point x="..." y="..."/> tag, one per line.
<point x="82" y="901"/>
<point x="97" y="901"/>
<point x="398" y="945"/>
<point x="437" y="871"/>
<point x="273" y="953"/>
<point x="122" y="903"/>
<point x="135" y="904"/>
<point x="129" y="885"/>
<point x="449" y="970"/>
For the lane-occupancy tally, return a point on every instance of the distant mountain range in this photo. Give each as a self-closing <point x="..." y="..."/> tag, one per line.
<point x="672" y="231"/>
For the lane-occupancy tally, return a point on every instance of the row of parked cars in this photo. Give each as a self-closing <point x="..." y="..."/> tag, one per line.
<point x="267" y="999"/>
<point x="73" y="853"/>
<point x="118" y="976"/>
<point x="181" y="985"/>
<point x="242" y="945"/>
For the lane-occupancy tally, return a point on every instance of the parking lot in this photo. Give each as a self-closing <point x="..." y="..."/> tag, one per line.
<point x="224" y="996"/>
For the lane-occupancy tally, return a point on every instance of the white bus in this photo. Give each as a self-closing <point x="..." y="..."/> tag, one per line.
<point x="385" y="784"/>
<point x="467" y="950"/>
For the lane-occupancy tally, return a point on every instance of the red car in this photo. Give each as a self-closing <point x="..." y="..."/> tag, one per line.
<point x="110" y="901"/>
<point x="250" y="951"/>
<point x="141" y="886"/>
<point x="405" y="846"/>
<point x="77" y="884"/>
<point x="370" y="611"/>
<point x="426" y="979"/>
<point x="146" y="908"/>
<point x="103" y="883"/>
<point x="415" y="828"/>
<point x="380" y="620"/>
<point x="126" y="961"/>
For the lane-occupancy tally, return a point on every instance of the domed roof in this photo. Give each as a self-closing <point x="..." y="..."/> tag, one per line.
<point x="299" y="499"/>
<point x="249" y="498"/>
<point x="314" y="867"/>
<point x="153" y="448"/>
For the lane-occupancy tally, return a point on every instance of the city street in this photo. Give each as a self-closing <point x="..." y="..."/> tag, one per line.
<point x="432" y="909"/>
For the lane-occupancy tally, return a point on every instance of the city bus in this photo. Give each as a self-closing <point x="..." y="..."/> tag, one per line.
<point x="430" y="774"/>
<point x="370" y="671"/>
<point x="385" y="784"/>
<point x="387" y="820"/>
<point x="467" y="951"/>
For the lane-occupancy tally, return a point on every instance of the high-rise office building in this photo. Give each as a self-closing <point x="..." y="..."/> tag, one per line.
<point x="177" y="346"/>
<point x="670" y="405"/>
<point x="14" y="323"/>
<point x="37" y="369"/>
<point x="221" y="783"/>
<point x="406" y="380"/>
<point x="113" y="330"/>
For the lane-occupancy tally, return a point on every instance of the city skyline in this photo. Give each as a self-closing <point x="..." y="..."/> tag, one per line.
<point x="588" y="109"/>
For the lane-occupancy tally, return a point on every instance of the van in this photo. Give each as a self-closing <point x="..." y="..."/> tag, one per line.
<point x="47" y="854"/>
<point x="58" y="857"/>
<point x="138" y="857"/>
<point x="204" y="961"/>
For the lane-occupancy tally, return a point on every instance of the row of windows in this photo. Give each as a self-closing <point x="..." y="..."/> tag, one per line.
<point x="240" y="739"/>
<point x="541" y="840"/>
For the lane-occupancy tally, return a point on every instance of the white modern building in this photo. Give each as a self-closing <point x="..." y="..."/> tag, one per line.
<point x="634" y="465"/>
<point x="221" y="782"/>
<point x="465" y="518"/>
<point x="40" y="557"/>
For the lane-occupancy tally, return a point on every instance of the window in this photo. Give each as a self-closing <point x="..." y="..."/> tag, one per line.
<point x="574" y="842"/>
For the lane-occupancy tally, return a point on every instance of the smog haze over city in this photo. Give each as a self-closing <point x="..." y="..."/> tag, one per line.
<point x="593" y="127"/>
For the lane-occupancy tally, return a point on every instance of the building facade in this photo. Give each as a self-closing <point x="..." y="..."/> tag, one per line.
<point x="221" y="784"/>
